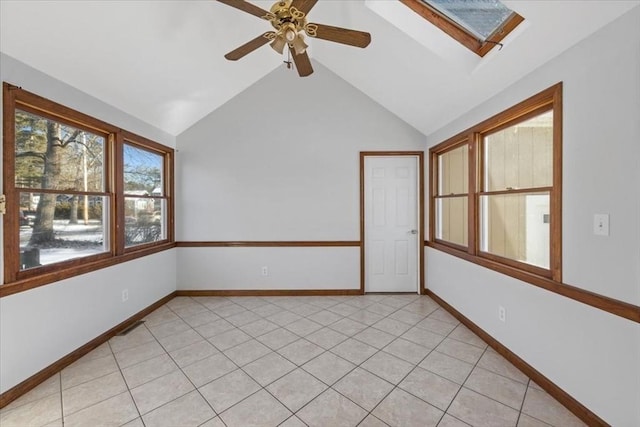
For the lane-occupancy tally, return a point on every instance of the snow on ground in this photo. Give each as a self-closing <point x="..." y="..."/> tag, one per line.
<point x="87" y="234"/>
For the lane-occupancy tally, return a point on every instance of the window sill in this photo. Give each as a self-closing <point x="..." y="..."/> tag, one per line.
<point x="66" y="273"/>
<point x="610" y="305"/>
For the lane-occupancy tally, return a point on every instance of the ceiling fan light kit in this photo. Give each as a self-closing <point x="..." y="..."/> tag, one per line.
<point x="289" y="19"/>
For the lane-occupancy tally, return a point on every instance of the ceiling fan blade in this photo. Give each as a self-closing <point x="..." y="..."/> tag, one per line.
<point x="338" y="35"/>
<point x="250" y="46"/>
<point x="303" y="64"/>
<point x="304" y="6"/>
<point x="245" y="6"/>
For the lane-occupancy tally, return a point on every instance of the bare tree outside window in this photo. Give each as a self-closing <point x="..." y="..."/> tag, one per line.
<point x="145" y="203"/>
<point x="81" y="194"/>
<point x="59" y="173"/>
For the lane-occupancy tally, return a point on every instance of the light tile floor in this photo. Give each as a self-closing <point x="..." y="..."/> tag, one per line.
<point x="372" y="360"/>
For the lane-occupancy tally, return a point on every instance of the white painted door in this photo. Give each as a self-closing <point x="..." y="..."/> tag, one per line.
<point x="391" y="223"/>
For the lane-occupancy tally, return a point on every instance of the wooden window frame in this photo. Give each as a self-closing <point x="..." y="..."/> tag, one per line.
<point x="435" y="180"/>
<point x="461" y="34"/>
<point x="15" y="280"/>
<point x="548" y="100"/>
<point x="167" y="187"/>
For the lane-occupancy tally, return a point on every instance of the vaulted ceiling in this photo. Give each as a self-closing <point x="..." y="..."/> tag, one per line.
<point x="162" y="61"/>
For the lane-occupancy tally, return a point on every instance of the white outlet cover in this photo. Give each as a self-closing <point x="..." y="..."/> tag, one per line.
<point x="601" y="224"/>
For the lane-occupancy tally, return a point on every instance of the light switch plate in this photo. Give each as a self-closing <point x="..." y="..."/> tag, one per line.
<point x="601" y="224"/>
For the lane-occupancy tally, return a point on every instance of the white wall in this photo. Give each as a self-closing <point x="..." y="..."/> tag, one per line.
<point x="44" y="324"/>
<point x="40" y="326"/>
<point x="288" y="268"/>
<point x="591" y="354"/>
<point x="279" y="162"/>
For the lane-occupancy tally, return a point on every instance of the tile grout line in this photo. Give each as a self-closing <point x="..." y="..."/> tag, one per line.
<point x="197" y="389"/>
<point x="395" y="386"/>
<point x="135" y="405"/>
<point x="177" y="366"/>
<point x="356" y="366"/>
<point x="489" y="349"/>
<point x="183" y="373"/>
<point x="304" y="336"/>
<point x="522" y="407"/>
<point x="491" y="398"/>
<point x="206" y="309"/>
<point x="94" y="379"/>
<point x="476" y="366"/>
<point x="409" y="373"/>
<point x="61" y="401"/>
<point x="284" y="375"/>
<point x="299" y="367"/>
<point x="463" y="383"/>
<point x="522" y="403"/>
<point x="241" y="367"/>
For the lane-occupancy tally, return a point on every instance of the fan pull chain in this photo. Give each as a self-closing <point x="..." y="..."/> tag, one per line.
<point x="288" y="61"/>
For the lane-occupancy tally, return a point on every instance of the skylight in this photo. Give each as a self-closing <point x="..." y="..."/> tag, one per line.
<point x="480" y="17"/>
<point x="479" y="25"/>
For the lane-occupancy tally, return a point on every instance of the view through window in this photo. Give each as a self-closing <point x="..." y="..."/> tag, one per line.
<point x="81" y="194"/>
<point x="497" y="191"/>
<point x="145" y="204"/>
<point x="62" y="198"/>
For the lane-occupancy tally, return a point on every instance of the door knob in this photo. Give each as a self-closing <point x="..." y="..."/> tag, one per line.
<point x="413" y="231"/>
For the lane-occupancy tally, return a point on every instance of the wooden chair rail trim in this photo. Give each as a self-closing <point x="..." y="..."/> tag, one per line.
<point x="577" y="408"/>
<point x="55" y="276"/>
<point x="31" y="382"/>
<point x="267" y="244"/>
<point x="610" y="305"/>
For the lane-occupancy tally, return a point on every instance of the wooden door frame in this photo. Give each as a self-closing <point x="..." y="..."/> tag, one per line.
<point x="420" y="171"/>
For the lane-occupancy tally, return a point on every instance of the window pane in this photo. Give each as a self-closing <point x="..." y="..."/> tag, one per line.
<point x="143" y="172"/>
<point x="56" y="156"/>
<point x="516" y="226"/>
<point x="144" y="220"/>
<point x="60" y="227"/>
<point x="520" y="156"/>
<point x="453" y="167"/>
<point x="451" y="220"/>
<point x="480" y="17"/>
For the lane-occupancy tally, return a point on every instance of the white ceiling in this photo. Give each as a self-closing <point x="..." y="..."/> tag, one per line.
<point x="162" y="61"/>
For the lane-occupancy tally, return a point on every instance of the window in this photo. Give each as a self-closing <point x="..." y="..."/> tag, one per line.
<point x="61" y="190"/>
<point x="517" y="180"/>
<point x="479" y="25"/>
<point x="145" y="201"/>
<point x="496" y="194"/>
<point x="452" y="198"/>
<point x="72" y="201"/>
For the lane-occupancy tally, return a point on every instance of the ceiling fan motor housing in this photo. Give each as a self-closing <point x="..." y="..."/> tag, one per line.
<point x="284" y="15"/>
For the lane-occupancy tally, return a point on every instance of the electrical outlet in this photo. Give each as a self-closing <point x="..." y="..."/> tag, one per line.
<point x="502" y="314"/>
<point x="125" y="295"/>
<point x="601" y="224"/>
<point x="265" y="271"/>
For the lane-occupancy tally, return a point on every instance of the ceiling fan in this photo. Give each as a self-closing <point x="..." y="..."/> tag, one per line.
<point x="289" y="19"/>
